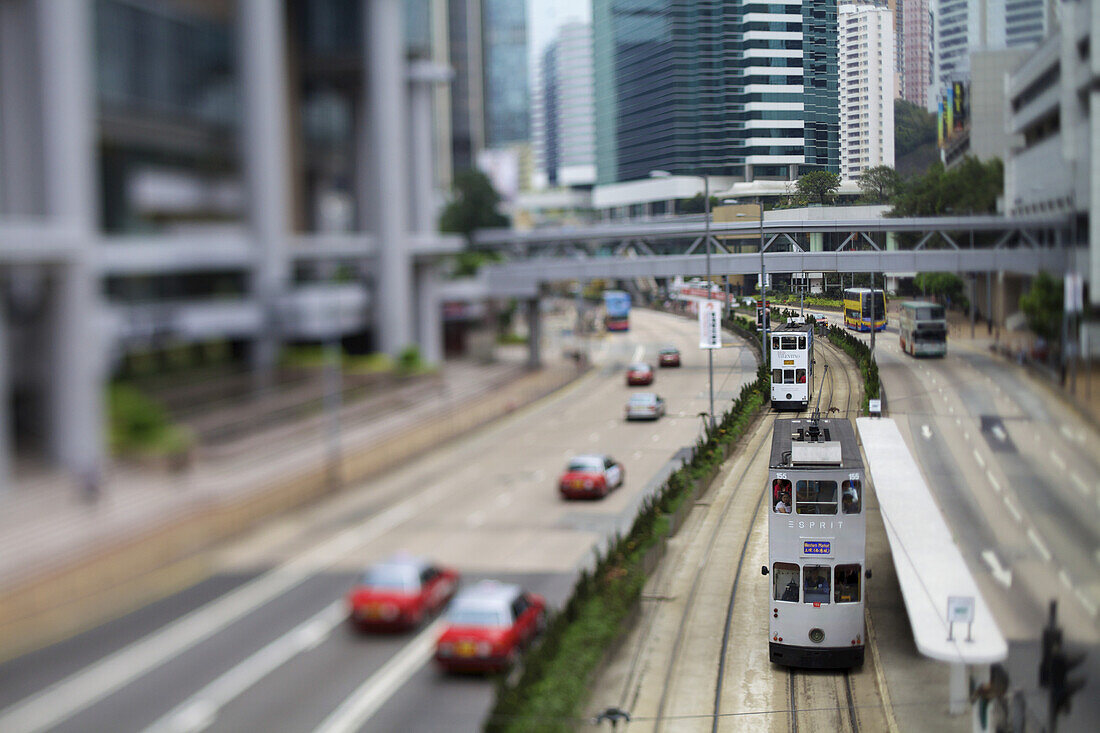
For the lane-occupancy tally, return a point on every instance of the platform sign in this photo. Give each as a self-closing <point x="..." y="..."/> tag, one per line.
<point x="816" y="547"/>
<point x="874" y="407"/>
<point x="710" y="324"/>
<point x="960" y="609"/>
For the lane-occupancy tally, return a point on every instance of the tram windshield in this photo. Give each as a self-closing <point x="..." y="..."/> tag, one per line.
<point x="785" y="581"/>
<point x="850" y="500"/>
<point x="800" y="376"/>
<point x="847" y="583"/>
<point x="816" y="497"/>
<point x="815" y="584"/>
<point x="781" y="496"/>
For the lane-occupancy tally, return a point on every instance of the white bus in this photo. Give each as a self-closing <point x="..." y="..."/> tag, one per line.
<point x="816" y="545"/>
<point x="922" y="329"/>
<point x="792" y="362"/>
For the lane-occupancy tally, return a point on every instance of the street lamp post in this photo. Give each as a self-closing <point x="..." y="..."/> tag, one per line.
<point x="710" y="293"/>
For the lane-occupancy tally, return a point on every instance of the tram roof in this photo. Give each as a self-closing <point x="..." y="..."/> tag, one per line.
<point x="788" y="326"/>
<point x="832" y="430"/>
<point x="929" y="565"/>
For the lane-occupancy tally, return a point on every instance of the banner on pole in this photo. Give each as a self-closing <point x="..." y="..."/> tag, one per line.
<point x="710" y="324"/>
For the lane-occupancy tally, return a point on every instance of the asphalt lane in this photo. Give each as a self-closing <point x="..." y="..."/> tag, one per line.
<point x="487" y="504"/>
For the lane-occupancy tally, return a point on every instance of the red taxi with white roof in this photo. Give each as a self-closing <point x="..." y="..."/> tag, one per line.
<point x="487" y="625"/>
<point x="400" y="592"/>
<point x="590" y="477"/>
<point x="639" y="373"/>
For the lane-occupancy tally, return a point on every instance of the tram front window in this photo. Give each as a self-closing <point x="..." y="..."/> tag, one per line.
<point x="847" y="583"/>
<point x="815" y="497"/>
<point x="788" y="376"/>
<point x="800" y="376"/>
<point x="781" y="496"/>
<point x="777" y="376"/>
<point x="850" y="500"/>
<point x="815" y="584"/>
<point x="785" y="581"/>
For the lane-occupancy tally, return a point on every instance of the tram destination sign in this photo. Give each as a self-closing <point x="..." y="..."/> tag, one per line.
<point x="816" y="547"/>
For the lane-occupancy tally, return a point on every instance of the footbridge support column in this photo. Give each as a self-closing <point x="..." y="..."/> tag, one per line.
<point x="534" y="334"/>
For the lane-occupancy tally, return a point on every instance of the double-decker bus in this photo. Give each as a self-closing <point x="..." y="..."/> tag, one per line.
<point x="858" y="304"/>
<point x="816" y="545"/>
<point x="617" y="306"/>
<point x="922" y="328"/>
<point x="792" y="360"/>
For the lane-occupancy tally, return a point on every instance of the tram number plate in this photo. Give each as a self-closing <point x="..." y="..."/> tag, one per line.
<point x="816" y="548"/>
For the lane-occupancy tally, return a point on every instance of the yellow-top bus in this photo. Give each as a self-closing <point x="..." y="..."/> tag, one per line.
<point x="857" y="309"/>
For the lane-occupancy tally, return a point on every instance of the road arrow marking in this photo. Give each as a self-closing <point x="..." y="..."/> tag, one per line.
<point x="999" y="433"/>
<point x="1001" y="574"/>
<point x="926" y="432"/>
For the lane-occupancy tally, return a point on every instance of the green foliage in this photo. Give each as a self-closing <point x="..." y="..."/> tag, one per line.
<point x="945" y="285"/>
<point x="879" y="184"/>
<point x="409" y="361"/>
<point x="466" y="264"/>
<point x="818" y="186"/>
<point x="696" y="204"/>
<point x="913" y="127"/>
<point x="1042" y="305"/>
<point x="315" y="357"/>
<point x="138" y="424"/>
<point x="972" y="187"/>
<point x="473" y="205"/>
<point x="861" y="353"/>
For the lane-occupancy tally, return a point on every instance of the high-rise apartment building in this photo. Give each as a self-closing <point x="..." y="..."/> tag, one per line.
<point x="914" y="50"/>
<point x="704" y="86"/>
<point x="565" y="115"/>
<point x="504" y="55"/>
<point x="866" y="88"/>
<point x="964" y="26"/>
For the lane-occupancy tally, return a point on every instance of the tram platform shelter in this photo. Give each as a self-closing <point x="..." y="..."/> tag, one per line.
<point x="950" y="620"/>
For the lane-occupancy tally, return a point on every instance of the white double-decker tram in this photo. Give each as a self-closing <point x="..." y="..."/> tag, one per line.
<point x="792" y="362"/>
<point x="816" y="532"/>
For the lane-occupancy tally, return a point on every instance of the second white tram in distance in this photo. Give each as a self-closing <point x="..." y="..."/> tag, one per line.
<point x="792" y="362"/>
<point x="816" y="538"/>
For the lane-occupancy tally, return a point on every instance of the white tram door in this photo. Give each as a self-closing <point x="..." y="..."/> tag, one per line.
<point x="816" y="538"/>
<point x="792" y="365"/>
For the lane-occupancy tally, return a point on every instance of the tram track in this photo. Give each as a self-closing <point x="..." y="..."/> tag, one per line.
<point x="825" y="706"/>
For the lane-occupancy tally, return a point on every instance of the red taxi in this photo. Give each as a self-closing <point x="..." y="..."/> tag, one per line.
<point x="669" y="356"/>
<point x="487" y="625"/>
<point x="590" y="477"/>
<point x="639" y="374"/>
<point x="399" y="592"/>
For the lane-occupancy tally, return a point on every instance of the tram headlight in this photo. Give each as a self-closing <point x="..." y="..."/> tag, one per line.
<point x="788" y="395"/>
<point x="817" y="636"/>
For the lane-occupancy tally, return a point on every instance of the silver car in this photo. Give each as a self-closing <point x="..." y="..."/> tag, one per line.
<point x="645" y="406"/>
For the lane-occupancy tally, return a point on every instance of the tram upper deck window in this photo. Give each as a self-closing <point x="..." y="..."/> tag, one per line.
<point x="775" y="342"/>
<point x="815" y="497"/>
<point x="850" y="500"/>
<point x="781" y="496"/>
<point x="815" y="584"/>
<point x="846" y="583"/>
<point x="802" y="342"/>
<point x="785" y="581"/>
<point x="790" y="343"/>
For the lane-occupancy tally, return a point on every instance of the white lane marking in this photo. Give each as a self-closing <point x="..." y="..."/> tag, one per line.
<point x="951" y="409"/>
<point x="926" y="432"/>
<point x="1064" y="577"/>
<point x="979" y="459"/>
<point x="999" y="433"/>
<point x="504" y="499"/>
<point x="366" y="700"/>
<point x="1012" y="509"/>
<point x="81" y="689"/>
<point x="993" y="482"/>
<point x="476" y="519"/>
<point x="958" y="422"/>
<point x="966" y="435"/>
<point x="1088" y="604"/>
<point x="1001" y="574"/>
<point x="656" y="438"/>
<point x="1081" y="485"/>
<point x="593" y="437"/>
<point x="540" y="475"/>
<point x="1038" y="542"/>
<point x="199" y="711"/>
<point x="637" y="454"/>
<point x="1058" y="459"/>
<point x="639" y="352"/>
<point x="1066" y="431"/>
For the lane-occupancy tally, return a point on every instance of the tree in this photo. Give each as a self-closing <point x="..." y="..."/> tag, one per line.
<point x="473" y="205"/>
<point x="879" y="184"/>
<point x="818" y="186"/>
<point x="914" y="126"/>
<point x="695" y="205"/>
<point x="972" y="187"/>
<point x="1042" y="306"/>
<point x="947" y="286"/>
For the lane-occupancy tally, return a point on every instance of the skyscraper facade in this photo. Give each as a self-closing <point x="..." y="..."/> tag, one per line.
<point x="504" y="56"/>
<point x="565" y="139"/>
<point x="866" y="88"/>
<point x="747" y="91"/>
<point x="915" y="50"/>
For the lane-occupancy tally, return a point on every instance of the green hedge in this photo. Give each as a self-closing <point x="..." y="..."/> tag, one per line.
<point x="861" y="353"/>
<point x="139" y="425"/>
<point x="556" y="676"/>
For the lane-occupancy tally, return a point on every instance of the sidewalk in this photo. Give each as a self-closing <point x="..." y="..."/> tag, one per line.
<point x="67" y="563"/>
